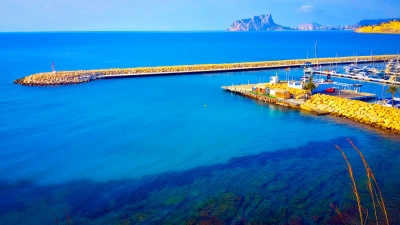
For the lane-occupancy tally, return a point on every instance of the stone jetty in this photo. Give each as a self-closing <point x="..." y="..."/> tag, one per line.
<point x="58" y="78"/>
<point x="296" y="101"/>
<point x="375" y="115"/>
<point x="283" y="86"/>
<point x="81" y="76"/>
<point x="386" y="118"/>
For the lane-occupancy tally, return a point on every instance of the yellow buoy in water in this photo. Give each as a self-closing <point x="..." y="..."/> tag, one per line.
<point x="205" y="105"/>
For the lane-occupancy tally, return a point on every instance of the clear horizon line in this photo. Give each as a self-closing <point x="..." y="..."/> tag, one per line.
<point x="163" y="31"/>
<point x="88" y="31"/>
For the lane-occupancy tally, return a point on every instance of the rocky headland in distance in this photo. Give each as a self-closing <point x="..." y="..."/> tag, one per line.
<point x="256" y="23"/>
<point x="266" y="23"/>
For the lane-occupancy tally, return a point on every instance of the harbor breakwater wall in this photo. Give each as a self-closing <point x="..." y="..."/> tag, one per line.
<point x="387" y="118"/>
<point x="81" y="76"/>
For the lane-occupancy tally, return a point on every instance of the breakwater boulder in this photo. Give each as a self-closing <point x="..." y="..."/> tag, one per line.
<point x="375" y="115"/>
<point x="57" y="78"/>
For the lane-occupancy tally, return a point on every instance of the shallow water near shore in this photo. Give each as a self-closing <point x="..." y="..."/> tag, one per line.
<point x="178" y="149"/>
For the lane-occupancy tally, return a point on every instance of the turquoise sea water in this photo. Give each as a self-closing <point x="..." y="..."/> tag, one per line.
<point x="178" y="149"/>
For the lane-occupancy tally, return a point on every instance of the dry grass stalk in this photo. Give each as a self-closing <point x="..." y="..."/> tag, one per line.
<point x="338" y="212"/>
<point x="68" y="218"/>
<point x="370" y="186"/>
<point x="366" y="216"/>
<point x="55" y="218"/>
<point x="354" y="185"/>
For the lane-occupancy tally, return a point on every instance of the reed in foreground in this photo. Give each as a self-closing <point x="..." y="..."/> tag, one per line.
<point x="373" y="189"/>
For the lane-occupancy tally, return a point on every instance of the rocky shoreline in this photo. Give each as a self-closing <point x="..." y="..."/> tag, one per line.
<point x="386" y="118"/>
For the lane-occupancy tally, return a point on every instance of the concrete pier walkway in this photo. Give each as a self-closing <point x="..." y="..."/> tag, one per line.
<point x="245" y="90"/>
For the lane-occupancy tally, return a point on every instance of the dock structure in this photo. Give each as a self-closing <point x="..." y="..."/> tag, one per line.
<point x="246" y="90"/>
<point x="344" y="103"/>
<point x="348" y="94"/>
<point x="81" y="76"/>
<point x="352" y="77"/>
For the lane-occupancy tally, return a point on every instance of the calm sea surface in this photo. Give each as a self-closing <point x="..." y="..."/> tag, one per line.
<point x="178" y="149"/>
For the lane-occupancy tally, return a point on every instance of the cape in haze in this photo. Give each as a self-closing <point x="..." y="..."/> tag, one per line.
<point x="256" y="23"/>
<point x="266" y="23"/>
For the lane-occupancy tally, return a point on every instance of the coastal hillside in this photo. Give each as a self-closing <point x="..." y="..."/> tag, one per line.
<point x="374" y="22"/>
<point x="391" y="27"/>
<point x="256" y="23"/>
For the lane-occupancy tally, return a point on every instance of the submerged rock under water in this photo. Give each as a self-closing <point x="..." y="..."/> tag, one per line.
<point x="298" y="188"/>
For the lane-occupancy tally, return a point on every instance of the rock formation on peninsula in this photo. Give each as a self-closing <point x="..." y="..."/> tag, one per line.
<point x="256" y="23"/>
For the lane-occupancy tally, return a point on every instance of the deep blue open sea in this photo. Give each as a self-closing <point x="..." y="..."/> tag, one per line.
<point x="178" y="149"/>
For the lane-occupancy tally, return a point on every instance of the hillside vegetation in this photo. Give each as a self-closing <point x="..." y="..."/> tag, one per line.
<point x="391" y="27"/>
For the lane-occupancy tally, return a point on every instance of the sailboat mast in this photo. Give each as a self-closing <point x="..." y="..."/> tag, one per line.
<point x="315" y="54"/>
<point x="315" y="50"/>
<point x="336" y="60"/>
<point x="371" y="59"/>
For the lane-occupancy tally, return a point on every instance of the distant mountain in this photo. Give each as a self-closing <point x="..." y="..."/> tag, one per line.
<point x="375" y="22"/>
<point x="311" y="26"/>
<point x="256" y="23"/>
<point x="265" y="22"/>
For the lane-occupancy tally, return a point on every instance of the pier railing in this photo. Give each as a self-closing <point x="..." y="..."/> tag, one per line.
<point x="80" y="76"/>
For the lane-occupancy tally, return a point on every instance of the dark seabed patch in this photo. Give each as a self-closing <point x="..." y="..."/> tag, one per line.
<point x="292" y="186"/>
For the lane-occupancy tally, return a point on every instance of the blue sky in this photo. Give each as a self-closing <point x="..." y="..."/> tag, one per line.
<point x="181" y="15"/>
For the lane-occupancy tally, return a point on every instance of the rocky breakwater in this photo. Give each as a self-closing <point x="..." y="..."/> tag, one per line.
<point x="375" y="115"/>
<point x="80" y="76"/>
<point x="58" y="78"/>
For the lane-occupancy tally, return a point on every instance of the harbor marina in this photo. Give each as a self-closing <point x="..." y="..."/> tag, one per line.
<point x="329" y="97"/>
